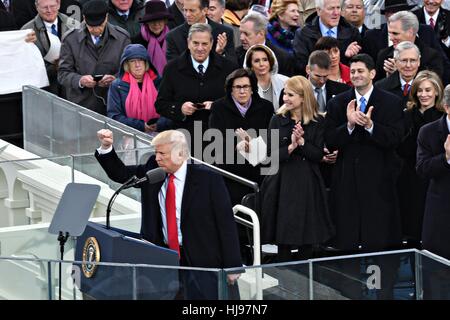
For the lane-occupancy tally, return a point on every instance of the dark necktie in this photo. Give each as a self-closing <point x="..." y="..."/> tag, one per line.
<point x="124" y="17"/>
<point x="201" y="70"/>
<point x="432" y="24"/>
<point x="54" y="31"/>
<point x="171" y="216"/>
<point x="363" y="105"/>
<point x="406" y="89"/>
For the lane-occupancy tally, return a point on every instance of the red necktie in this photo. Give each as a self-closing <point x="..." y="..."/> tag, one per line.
<point x="405" y="89"/>
<point x="432" y="23"/>
<point x="171" y="216"/>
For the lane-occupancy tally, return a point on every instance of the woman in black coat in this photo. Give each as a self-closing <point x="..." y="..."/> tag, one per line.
<point x="240" y="108"/>
<point x="424" y="106"/>
<point x="294" y="207"/>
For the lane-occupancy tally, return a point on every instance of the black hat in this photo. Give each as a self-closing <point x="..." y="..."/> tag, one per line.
<point x="155" y="10"/>
<point x="95" y="12"/>
<point x="396" y="5"/>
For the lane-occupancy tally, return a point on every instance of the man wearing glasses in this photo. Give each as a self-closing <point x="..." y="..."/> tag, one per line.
<point x="48" y="25"/>
<point x="407" y="63"/>
<point x="403" y="26"/>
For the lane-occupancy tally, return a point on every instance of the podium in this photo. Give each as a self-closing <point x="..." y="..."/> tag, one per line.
<point x="99" y="244"/>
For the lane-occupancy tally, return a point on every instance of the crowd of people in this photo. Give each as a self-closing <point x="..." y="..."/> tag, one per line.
<point x="355" y="108"/>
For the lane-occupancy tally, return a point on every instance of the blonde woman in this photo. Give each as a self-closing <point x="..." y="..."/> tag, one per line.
<point x="294" y="206"/>
<point x="424" y="106"/>
<point x="284" y="21"/>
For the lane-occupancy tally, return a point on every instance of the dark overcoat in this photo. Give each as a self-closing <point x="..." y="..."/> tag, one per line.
<point x="432" y="165"/>
<point x="364" y="204"/>
<point x="294" y="206"/>
<point x="225" y="115"/>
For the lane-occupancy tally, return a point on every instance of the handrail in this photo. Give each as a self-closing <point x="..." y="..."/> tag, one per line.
<point x="256" y="243"/>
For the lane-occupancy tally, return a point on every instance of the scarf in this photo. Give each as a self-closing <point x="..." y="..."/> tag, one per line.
<point x="156" y="52"/>
<point x="141" y="105"/>
<point x="282" y="36"/>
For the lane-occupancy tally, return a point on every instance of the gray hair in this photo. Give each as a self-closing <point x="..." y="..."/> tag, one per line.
<point x="200" y="27"/>
<point x="220" y="2"/>
<point x="446" y="99"/>
<point x="320" y="4"/>
<point x="176" y="138"/>
<point x="36" y="2"/>
<point x="408" y="20"/>
<point x="343" y="4"/>
<point x="259" y="21"/>
<point x="405" y="45"/>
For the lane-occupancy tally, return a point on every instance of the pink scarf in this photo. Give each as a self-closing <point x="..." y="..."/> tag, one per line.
<point x="141" y="105"/>
<point x="156" y="53"/>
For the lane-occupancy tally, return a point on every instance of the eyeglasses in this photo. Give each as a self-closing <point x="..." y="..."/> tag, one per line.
<point x="245" y="87"/>
<point x="404" y="62"/>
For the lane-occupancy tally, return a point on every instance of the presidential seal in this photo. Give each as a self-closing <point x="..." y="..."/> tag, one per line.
<point x="91" y="255"/>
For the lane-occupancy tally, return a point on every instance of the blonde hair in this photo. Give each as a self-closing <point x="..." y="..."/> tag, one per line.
<point x="174" y="137"/>
<point x="437" y="84"/>
<point x="280" y="6"/>
<point x="301" y="86"/>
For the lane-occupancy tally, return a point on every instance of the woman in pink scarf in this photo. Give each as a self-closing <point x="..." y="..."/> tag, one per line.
<point x="154" y="30"/>
<point x="132" y="96"/>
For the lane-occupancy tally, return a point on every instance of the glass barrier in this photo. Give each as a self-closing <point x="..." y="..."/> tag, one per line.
<point x="395" y="275"/>
<point x="338" y="278"/>
<point x="280" y="281"/>
<point x="378" y="276"/>
<point x="54" y="126"/>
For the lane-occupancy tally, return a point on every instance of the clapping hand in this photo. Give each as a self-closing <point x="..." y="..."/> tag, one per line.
<point x="244" y="145"/>
<point x="447" y="148"/>
<point x="296" y="137"/>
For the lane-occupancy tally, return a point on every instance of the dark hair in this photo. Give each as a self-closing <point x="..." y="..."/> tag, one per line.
<point x="204" y="4"/>
<point x="326" y="43"/>
<point x="319" y="58"/>
<point x="260" y="48"/>
<point x="240" y="73"/>
<point x="364" y="58"/>
<point x="236" y="5"/>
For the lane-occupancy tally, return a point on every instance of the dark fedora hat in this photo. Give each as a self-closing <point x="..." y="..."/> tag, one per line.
<point x="95" y="12"/>
<point x="396" y="5"/>
<point x="155" y="10"/>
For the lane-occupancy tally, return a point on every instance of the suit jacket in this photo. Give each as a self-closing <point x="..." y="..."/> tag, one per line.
<point x="209" y="231"/>
<point x="442" y="22"/>
<point x="79" y="56"/>
<point x="177" y="40"/>
<point x="376" y="40"/>
<point x="433" y="166"/>
<point x="430" y="59"/>
<point x="363" y="194"/>
<point x="332" y="89"/>
<point x="25" y="10"/>
<point x="178" y="17"/>
<point x="7" y="20"/>
<point x="394" y="86"/>
<point x="306" y="37"/>
<point x="194" y="88"/>
<point x="285" y="60"/>
<point x="43" y="43"/>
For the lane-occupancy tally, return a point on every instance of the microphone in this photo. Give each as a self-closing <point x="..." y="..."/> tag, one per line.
<point x="151" y="176"/>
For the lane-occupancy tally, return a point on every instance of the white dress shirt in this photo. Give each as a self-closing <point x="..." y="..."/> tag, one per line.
<point x="204" y="63"/>
<point x="180" y="179"/>
<point x="358" y="103"/>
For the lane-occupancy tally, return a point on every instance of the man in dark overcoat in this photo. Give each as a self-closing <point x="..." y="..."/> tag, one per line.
<point x="366" y="125"/>
<point x="185" y="94"/>
<point x="433" y="163"/>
